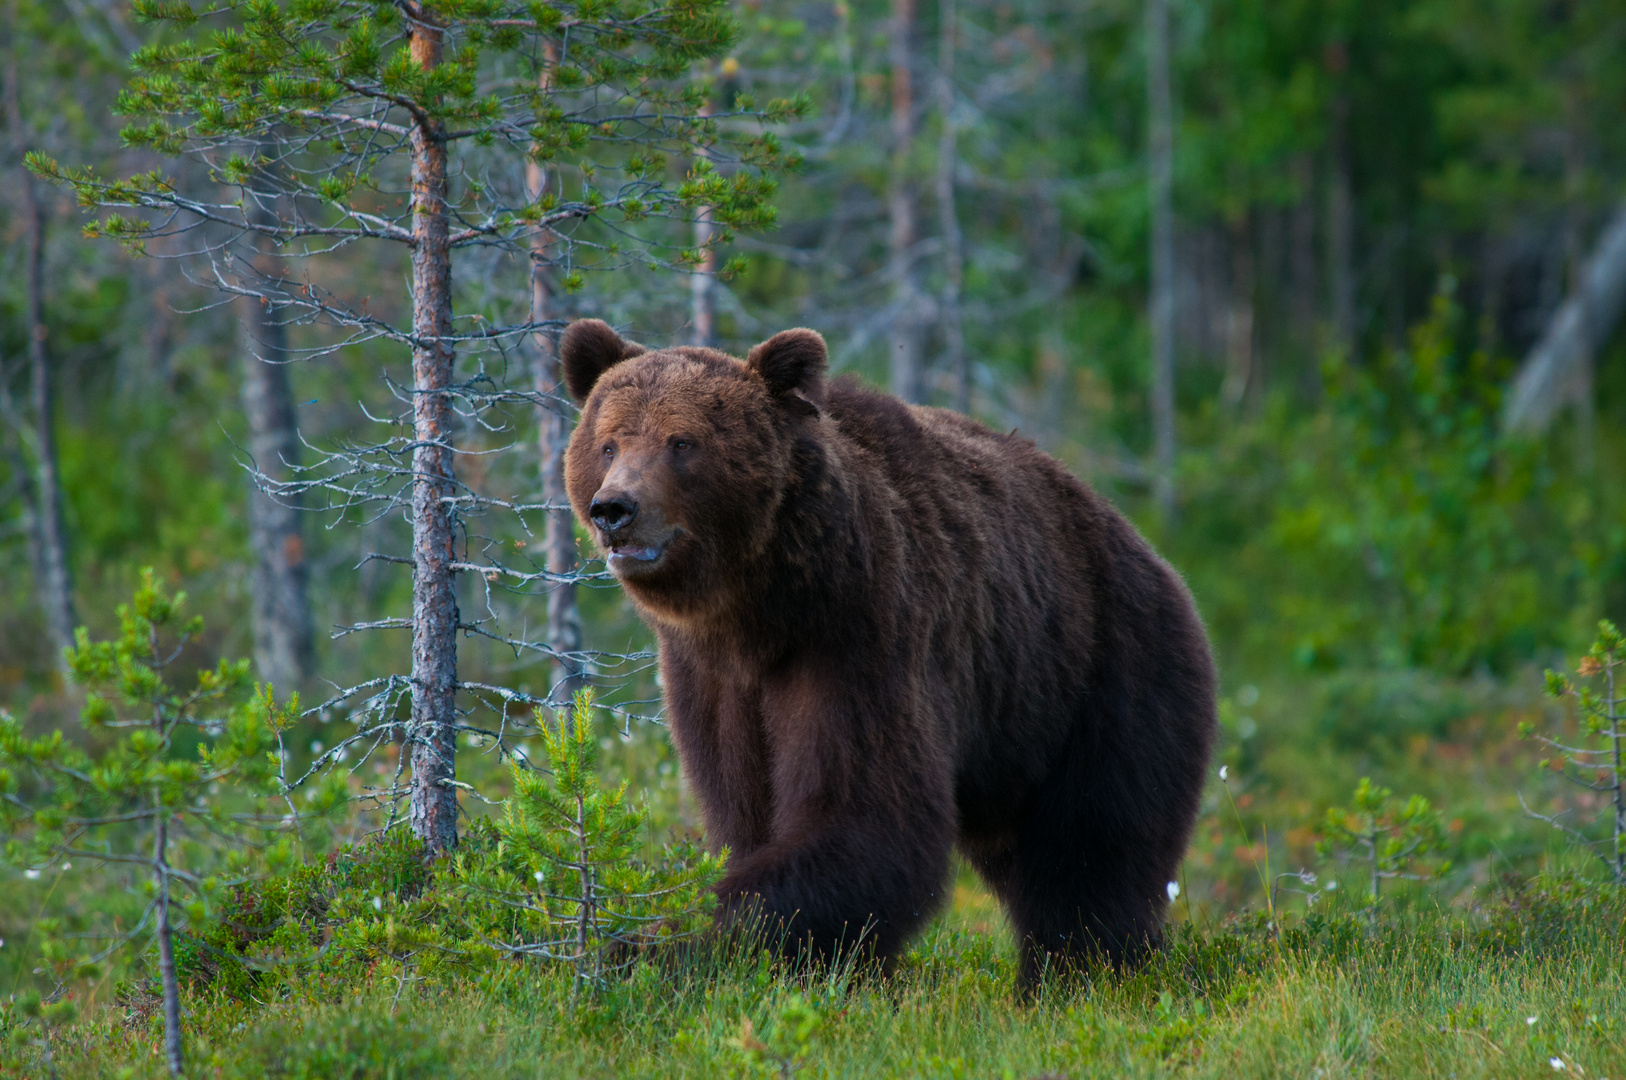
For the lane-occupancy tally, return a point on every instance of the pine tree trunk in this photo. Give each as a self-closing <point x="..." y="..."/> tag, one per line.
<point x="166" y="944"/>
<point x="283" y="645"/>
<point x="954" y="355"/>
<point x="904" y="337"/>
<point x="55" y="582"/>
<point x="1160" y="164"/>
<point x="553" y="437"/>
<point x="433" y="811"/>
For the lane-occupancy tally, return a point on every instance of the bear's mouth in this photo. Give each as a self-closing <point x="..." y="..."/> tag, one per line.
<point x="636" y="557"/>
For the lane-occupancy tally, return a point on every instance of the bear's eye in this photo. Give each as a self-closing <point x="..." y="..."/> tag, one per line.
<point x="681" y="444"/>
<point x="609" y="449"/>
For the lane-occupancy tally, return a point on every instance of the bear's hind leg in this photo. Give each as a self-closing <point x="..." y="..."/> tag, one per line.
<point x="1072" y="898"/>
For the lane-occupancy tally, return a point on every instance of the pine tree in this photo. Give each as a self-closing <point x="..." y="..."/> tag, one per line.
<point x="1593" y="761"/>
<point x="338" y="122"/>
<point x="571" y="862"/>
<point x="132" y="796"/>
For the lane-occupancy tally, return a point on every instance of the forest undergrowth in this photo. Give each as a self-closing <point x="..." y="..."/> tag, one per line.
<point x="1528" y="982"/>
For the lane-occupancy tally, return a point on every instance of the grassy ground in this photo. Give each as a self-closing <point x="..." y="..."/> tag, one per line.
<point x="1534" y="983"/>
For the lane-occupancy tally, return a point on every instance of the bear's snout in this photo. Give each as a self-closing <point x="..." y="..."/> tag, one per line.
<point x="613" y="511"/>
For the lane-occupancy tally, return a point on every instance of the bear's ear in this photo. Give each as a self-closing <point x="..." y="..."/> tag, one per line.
<point x="792" y="363"/>
<point x="587" y="350"/>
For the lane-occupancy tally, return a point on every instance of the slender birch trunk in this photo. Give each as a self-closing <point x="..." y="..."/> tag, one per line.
<point x="433" y="811"/>
<point x="904" y="338"/>
<point x="1160" y="163"/>
<point x="55" y="581"/>
<point x="283" y="639"/>
<point x="553" y="437"/>
<point x="948" y="215"/>
<point x="702" y="281"/>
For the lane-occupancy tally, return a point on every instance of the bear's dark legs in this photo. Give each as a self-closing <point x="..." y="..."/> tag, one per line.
<point x="843" y="889"/>
<point x="1075" y="891"/>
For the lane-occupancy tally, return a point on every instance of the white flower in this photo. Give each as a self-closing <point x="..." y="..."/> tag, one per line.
<point x="1173" y="890"/>
<point x="31" y="875"/>
<point x="1556" y="1063"/>
<point x="538" y="877"/>
<point x="1225" y="772"/>
<point x="1530" y="1021"/>
<point x="378" y="903"/>
<point x="67" y="866"/>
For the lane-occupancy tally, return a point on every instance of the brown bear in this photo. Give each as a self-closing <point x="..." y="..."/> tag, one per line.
<point x="885" y="631"/>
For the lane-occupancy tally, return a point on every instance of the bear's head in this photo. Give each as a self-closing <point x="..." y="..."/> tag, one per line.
<point x="682" y="458"/>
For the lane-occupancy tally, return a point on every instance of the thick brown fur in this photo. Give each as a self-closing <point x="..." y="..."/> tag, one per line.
<point x="886" y="631"/>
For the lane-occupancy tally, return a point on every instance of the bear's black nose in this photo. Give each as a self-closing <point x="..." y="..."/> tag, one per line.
<point x="612" y="511"/>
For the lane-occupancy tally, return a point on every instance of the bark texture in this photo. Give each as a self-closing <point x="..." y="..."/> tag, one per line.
<point x="50" y="541"/>
<point x="1160" y="165"/>
<point x="283" y="639"/>
<point x="553" y="421"/>
<point x="904" y="337"/>
<point x="433" y="811"/>
<point x="166" y="945"/>
<point x="702" y="282"/>
<point x="1558" y="370"/>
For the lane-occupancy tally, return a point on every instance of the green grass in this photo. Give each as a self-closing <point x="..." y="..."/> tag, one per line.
<point x="1422" y="992"/>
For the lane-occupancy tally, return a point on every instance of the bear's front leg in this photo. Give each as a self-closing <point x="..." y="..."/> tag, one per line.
<point x="862" y="819"/>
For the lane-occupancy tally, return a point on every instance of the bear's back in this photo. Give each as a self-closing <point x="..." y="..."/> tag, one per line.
<point x="1030" y="593"/>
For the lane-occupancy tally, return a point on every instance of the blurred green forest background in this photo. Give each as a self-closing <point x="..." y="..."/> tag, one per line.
<point x="1395" y="493"/>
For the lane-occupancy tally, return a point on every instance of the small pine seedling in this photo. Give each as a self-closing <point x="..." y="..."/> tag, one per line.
<point x="1385" y="835"/>
<point x="1595" y="764"/>
<point x="568" y="882"/>
<point x="130" y="794"/>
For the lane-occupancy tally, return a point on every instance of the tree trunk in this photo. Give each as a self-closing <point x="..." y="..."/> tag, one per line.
<point x="283" y="645"/>
<point x="1341" y="224"/>
<point x="553" y="436"/>
<point x="904" y="338"/>
<point x="434" y="598"/>
<point x="1241" y="374"/>
<point x="1558" y="368"/>
<point x="702" y="299"/>
<point x="1160" y="166"/>
<point x="166" y="943"/>
<point x="955" y="360"/>
<point x="55" y="582"/>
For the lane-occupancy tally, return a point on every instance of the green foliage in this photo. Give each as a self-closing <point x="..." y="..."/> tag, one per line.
<point x="1436" y="990"/>
<point x="173" y="779"/>
<point x="368" y="911"/>
<point x="779" y="1054"/>
<point x="332" y="91"/>
<point x="1395" y="527"/>
<point x="1385" y="835"/>
<point x="559" y="877"/>
<point x="568" y="868"/>
<point x="1595" y="764"/>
